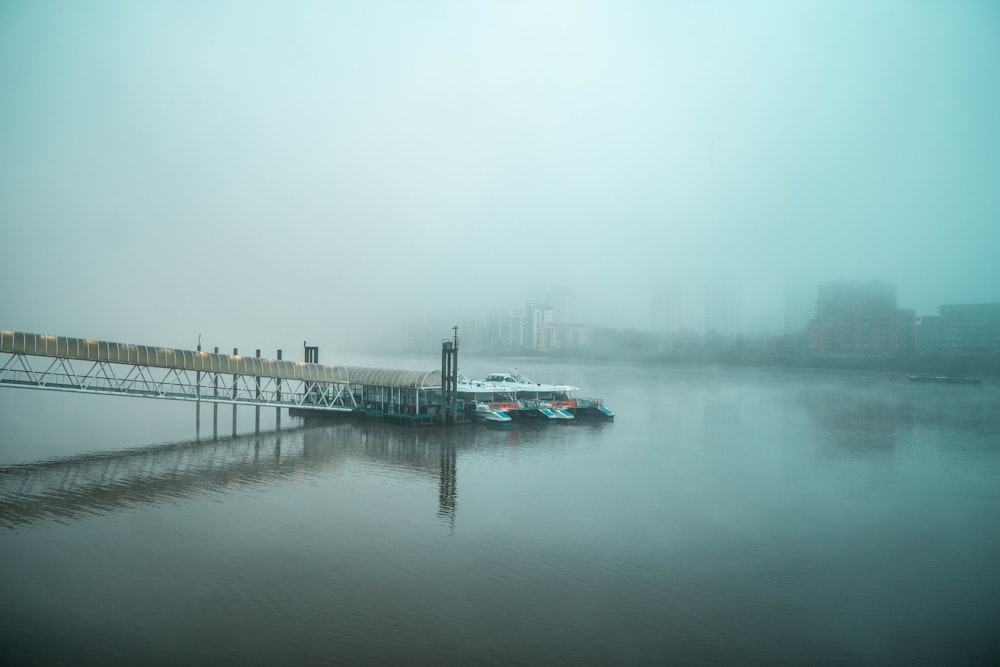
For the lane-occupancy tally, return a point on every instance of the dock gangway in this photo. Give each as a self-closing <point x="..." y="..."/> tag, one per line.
<point x="59" y="363"/>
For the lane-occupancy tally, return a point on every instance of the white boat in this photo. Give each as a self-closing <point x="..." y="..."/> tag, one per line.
<point x="538" y="400"/>
<point x="538" y="410"/>
<point x="562" y="413"/>
<point x="520" y="397"/>
<point x="490" y="414"/>
<point x="522" y="384"/>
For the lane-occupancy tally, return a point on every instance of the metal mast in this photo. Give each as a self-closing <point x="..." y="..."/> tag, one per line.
<point x="449" y="379"/>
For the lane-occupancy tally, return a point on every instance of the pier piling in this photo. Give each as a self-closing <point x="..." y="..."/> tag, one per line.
<point x="197" y="398"/>
<point x="215" y="404"/>
<point x="256" y="416"/>
<point x="449" y="380"/>
<point x="235" y="377"/>
<point x="277" y="411"/>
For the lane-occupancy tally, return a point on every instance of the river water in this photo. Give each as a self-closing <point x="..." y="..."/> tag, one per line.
<point x="726" y="516"/>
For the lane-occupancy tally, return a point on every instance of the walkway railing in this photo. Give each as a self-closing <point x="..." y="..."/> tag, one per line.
<point x="56" y="363"/>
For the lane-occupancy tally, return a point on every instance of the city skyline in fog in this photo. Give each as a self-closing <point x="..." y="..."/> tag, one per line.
<point x="260" y="174"/>
<point x="714" y="306"/>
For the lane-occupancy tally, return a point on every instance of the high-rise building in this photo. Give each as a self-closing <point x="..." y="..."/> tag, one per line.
<point x="505" y="329"/>
<point x="562" y="298"/>
<point x="860" y="318"/>
<point x="533" y="327"/>
<point x="972" y="328"/>
<point x="537" y="316"/>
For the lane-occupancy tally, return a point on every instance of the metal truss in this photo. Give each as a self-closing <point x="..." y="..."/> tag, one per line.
<point x="131" y="379"/>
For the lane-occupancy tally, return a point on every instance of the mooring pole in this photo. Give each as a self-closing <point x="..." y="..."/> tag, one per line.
<point x="454" y="376"/>
<point x="445" y="398"/>
<point x="449" y="380"/>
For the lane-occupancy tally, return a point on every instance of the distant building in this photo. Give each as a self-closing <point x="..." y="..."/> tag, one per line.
<point x="537" y="316"/>
<point x="533" y="328"/>
<point x="562" y="298"/>
<point x="565" y="336"/>
<point x="961" y="329"/>
<point x="860" y="318"/>
<point x="722" y="309"/>
<point x="505" y="329"/>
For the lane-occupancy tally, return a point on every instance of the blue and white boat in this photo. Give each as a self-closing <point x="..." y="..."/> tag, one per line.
<point x="490" y="414"/>
<point x="537" y="400"/>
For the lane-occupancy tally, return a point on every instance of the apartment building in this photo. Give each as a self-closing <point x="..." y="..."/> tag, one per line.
<point x="860" y="318"/>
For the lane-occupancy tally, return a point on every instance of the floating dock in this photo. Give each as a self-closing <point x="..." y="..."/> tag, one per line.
<point x="305" y="388"/>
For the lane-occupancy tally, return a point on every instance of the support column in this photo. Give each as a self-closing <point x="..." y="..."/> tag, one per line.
<point x="197" y="397"/>
<point x="449" y="380"/>
<point x="235" y="380"/>
<point x="256" y="416"/>
<point x="445" y="396"/>
<point x="277" y="410"/>
<point x="215" y="404"/>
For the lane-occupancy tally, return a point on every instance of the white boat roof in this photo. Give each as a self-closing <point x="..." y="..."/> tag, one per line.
<point x="481" y="387"/>
<point x="515" y="381"/>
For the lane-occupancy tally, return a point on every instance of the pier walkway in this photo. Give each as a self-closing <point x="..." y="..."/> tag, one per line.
<point x="57" y="363"/>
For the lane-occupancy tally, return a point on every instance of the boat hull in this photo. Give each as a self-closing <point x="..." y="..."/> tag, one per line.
<point x="592" y="412"/>
<point x="492" y="416"/>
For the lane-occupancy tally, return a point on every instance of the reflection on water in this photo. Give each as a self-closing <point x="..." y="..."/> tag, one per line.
<point x="448" y="490"/>
<point x="76" y="486"/>
<point x="726" y="516"/>
<point x="859" y="424"/>
<point x="871" y="419"/>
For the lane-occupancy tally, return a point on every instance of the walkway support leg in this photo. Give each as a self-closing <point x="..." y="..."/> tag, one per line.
<point x="277" y="410"/>
<point x="197" y="398"/>
<point x="235" y="378"/>
<point x="256" y="416"/>
<point x="215" y="404"/>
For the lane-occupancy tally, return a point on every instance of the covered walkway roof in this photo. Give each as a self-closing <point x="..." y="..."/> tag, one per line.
<point x="17" y="342"/>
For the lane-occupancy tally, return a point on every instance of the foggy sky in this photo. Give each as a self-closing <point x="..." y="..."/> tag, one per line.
<point x="266" y="172"/>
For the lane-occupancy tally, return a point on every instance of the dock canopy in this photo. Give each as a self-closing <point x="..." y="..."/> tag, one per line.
<point x="17" y="342"/>
<point x="393" y="377"/>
